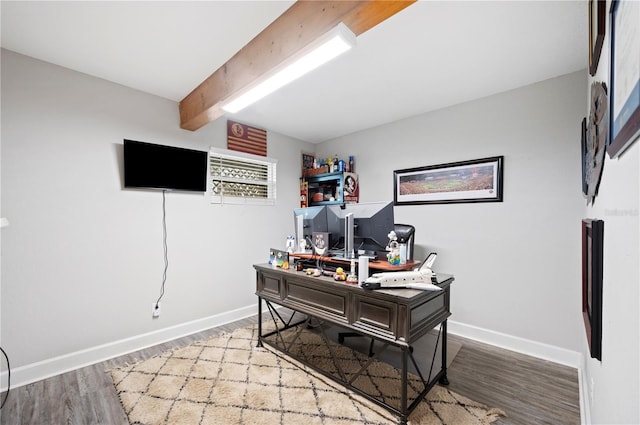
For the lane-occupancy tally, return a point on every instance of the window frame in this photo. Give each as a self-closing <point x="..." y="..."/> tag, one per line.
<point x="225" y="155"/>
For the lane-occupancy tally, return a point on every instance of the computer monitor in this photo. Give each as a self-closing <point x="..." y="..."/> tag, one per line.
<point x="372" y="223"/>
<point x="313" y="219"/>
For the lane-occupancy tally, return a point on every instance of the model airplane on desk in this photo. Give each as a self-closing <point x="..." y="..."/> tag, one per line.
<point x="419" y="278"/>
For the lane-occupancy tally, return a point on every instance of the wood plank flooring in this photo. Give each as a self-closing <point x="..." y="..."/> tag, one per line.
<point x="529" y="390"/>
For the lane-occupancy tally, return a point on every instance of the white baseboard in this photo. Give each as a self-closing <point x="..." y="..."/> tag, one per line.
<point x="514" y="343"/>
<point x="583" y="386"/>
<point x="27" y="374"/>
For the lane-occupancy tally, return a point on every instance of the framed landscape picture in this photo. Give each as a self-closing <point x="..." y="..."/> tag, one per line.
<point x="478" y="180"/>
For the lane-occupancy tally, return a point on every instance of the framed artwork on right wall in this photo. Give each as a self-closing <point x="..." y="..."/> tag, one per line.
<point x="624" y="77"/>
<point x="597" y="16"/>
<point x="592" y="273"/>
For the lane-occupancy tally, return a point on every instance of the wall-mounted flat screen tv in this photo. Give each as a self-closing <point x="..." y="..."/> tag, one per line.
<point x="151" y="166"/>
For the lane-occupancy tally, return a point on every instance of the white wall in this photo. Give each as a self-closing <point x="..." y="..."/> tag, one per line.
<point x="516" y="263"/>
<point x="83" y="259"/>
<point x="2" y="362"/>
<point x="613" y="384"/>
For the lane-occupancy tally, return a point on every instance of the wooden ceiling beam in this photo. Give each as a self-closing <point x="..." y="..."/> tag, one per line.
<point x="298" y="26"/>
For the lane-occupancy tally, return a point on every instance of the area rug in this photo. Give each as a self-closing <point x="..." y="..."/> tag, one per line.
<point x="228" y="380"/>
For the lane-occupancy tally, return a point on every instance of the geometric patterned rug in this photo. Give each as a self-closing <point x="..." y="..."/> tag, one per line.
<point x="228" y="380"/>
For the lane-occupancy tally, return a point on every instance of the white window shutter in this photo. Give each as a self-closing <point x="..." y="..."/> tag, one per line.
<point x="240" y="178"/>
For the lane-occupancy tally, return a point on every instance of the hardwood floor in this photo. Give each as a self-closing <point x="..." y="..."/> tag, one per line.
<point x="529" y="390"/>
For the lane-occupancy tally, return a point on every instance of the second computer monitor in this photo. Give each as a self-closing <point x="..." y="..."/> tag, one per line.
<point x="309" y="220"/>
<point x="372" y="223"/>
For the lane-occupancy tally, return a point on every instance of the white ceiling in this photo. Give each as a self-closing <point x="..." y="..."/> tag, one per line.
<point x="431" y="55"/>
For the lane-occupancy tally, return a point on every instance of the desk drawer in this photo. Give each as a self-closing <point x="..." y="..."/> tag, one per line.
<point x="268" y="284"/>
<point x="427" y="315"/>
<point x="316" y="299"/>
<point x="375" y="315"/>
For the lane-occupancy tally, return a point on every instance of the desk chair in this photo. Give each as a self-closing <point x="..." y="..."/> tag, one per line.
<point x="405" y="234"/>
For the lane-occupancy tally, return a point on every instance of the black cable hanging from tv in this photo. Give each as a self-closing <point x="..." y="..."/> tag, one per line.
<point x="164" y="244"/>
<point x="6" y="396"/>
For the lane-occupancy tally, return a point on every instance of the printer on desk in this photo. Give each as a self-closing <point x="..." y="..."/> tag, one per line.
<point x="420" y="278"/>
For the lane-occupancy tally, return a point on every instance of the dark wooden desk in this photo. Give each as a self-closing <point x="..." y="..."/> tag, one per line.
<point x="397" y="317"/>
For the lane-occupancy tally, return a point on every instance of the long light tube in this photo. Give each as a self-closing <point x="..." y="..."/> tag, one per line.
<point x="331" y="44"/>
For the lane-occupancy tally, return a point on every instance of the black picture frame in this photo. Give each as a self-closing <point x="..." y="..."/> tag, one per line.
<point x="596" y="139"/>
<point x="307" y="161"/>
<point x="624" y="124"/>
<point x="592" y="275"/>
<point x="583" y="150"/>
<point x="477" y="180"/>
<point x="597" y="22"/>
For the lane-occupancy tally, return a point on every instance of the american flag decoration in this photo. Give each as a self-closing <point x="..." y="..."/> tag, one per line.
<point x="244" y="138"/>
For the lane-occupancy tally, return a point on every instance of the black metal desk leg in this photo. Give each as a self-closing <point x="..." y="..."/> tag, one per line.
<point x="443" y="379"/>
<point x="259" y="322"/>
<point x="403" y="391"/>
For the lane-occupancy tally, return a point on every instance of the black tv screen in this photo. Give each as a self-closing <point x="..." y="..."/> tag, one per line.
<point x="151" y="166"/>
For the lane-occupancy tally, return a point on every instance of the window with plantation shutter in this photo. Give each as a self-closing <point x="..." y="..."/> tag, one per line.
<point x="239" y="178"/>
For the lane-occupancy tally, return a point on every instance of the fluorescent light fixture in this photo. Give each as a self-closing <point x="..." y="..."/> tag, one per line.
<point x="331" y="44"/>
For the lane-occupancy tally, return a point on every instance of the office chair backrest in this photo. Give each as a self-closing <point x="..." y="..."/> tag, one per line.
<point x="405" y="234"/>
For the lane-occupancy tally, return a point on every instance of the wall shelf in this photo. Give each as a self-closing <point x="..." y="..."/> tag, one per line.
<point x="328" y="188"/>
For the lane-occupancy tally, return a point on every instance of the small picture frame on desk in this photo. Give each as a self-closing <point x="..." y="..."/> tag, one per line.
<point x="279" y="258"/>
<point x="320" y="242"/>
